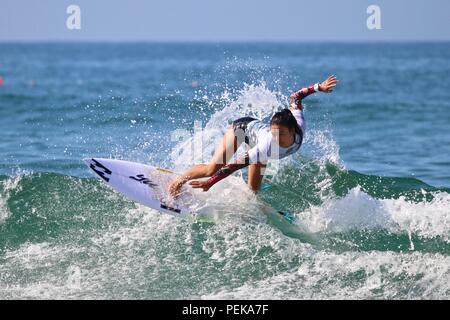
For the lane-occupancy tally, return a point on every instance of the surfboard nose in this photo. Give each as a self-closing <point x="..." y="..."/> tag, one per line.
<point x="88" y="161"/>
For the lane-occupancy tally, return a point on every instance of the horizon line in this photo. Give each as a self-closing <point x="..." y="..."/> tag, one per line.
<point x="137" y="41"/>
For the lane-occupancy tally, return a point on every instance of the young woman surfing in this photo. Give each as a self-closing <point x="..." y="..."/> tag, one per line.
<point x="280" y="138"/>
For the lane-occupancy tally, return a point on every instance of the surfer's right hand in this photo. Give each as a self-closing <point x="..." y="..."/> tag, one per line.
<point x="200" y="184"/>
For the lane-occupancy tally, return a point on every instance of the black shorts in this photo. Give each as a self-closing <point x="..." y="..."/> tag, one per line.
<point x="241" y="124"/>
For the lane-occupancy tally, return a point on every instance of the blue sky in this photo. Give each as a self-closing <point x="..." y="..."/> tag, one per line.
<point x="227" y="20"/>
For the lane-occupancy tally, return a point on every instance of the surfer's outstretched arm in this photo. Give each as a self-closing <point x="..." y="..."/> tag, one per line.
<point x="325" y="86"/>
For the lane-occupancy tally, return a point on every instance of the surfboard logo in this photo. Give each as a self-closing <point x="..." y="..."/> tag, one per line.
<point x="163" y="206"/>
<point x="141" y="183"/>
<point x="100" y="169"/>
<point x="142" y="179"/>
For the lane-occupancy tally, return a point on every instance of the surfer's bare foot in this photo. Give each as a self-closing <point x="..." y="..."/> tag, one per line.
<point x="175" y="186"/>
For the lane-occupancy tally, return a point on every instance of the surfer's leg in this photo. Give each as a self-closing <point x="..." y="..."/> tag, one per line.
<point x="255" y="176"/>
<point x="201" y="171"/>
<point x="233" y="138"/>
<point x="224" y="151"/>
<point x="229" y="144"/>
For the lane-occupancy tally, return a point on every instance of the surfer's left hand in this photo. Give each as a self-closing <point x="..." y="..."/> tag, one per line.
<point x="200" y="184"/>
<point x="328" y="85"/>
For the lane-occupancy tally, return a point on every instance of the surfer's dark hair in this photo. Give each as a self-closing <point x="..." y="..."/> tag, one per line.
<point x="286" y="118"/>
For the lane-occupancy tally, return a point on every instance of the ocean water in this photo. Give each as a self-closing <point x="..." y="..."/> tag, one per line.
<point x="370" y="188"/>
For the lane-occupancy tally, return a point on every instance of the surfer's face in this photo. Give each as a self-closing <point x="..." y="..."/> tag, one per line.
<point x="282" y="135"/>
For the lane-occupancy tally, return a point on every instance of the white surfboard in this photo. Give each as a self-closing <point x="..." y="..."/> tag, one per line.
<point x="145" y="184"/>
<point x="148" y="185"/>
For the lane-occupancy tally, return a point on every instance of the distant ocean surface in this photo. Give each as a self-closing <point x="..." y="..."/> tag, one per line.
<point x="370" y="187"/>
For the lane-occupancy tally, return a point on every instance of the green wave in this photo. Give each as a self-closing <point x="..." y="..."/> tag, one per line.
<point x="297" y="189"/>
<point x="317" y="185"/>
<point x="53" y="207"/>
<point x="49" y="206"/>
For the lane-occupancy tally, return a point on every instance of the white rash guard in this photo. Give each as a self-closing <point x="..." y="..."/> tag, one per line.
<point x="263" y="146"/>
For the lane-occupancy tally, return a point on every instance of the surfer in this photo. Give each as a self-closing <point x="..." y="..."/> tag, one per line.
<point x="284" y="133"/>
